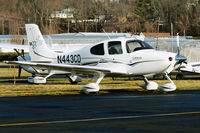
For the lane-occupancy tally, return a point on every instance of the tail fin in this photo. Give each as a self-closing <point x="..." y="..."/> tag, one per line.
<point x="38" y="49"/>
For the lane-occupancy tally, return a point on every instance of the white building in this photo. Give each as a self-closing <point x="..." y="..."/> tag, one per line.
<point x="66" y="13"/>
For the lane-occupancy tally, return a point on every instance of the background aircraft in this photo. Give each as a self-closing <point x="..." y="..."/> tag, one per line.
<point x="191" y="67"/>
<point x="186" y="67"/>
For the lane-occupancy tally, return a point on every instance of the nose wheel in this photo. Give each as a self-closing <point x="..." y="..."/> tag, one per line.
<point x="169" y="86"/>
<point x="150" y="85"/>
<point x="179" y="76"/>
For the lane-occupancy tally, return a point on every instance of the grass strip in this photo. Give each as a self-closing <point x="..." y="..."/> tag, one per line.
<point x="55" y="87"/>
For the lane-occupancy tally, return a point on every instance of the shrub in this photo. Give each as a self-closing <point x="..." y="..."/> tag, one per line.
<point x="8" y="56"/>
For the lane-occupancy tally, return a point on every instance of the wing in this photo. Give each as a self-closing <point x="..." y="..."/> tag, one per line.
<point x="69" y="68"/>
<point x="14" y="46"/>
<point x="193" y="67"/>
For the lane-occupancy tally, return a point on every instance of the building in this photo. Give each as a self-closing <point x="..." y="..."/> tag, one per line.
<point x="66" y="13"/>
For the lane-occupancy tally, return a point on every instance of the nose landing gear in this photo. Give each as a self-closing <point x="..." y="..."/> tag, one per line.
<point x="150" y="85"/>
<point x="169" y="86"/>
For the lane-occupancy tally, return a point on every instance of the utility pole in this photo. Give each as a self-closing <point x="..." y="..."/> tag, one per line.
<point x="50" y="26"/>
<point x="2" y="26"/>
<point x="158" y="33"/>
<point x="68" y="24"/>
<point x="172" y="37"/>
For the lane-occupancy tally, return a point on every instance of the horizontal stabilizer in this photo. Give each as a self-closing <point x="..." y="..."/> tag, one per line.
<point x="14" y="46"/>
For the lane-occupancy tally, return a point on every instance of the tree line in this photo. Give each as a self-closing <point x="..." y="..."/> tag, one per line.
<point x="133" y="16"/>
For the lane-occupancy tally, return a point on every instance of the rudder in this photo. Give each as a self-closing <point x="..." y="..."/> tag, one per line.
<point x="38" y="49"/>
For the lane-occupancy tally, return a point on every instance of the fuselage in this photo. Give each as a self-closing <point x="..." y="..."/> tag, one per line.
<point x="125" y="56"/>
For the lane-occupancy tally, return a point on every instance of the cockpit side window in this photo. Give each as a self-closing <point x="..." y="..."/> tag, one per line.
<point x="97" y="49"/>
<point x="135" y="45"/>
<point x="132" y="45"/>
<point x="114" y="47"/>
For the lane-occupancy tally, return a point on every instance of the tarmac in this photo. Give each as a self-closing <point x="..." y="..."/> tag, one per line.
<point x="113" y="113"/>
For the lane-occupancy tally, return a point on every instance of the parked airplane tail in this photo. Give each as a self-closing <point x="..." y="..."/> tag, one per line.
<point x="38" y="49"/>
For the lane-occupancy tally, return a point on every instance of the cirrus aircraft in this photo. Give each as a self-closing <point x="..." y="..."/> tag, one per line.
<point x="124" y="56"/>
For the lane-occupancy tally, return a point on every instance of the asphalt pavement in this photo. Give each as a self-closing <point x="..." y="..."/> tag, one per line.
<point x="175" y="112"/>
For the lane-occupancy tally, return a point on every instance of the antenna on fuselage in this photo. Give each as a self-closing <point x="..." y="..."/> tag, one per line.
<point x="106" y="34"/>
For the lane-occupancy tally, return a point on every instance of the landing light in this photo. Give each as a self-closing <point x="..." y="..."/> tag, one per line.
<point x="170" y="58"/>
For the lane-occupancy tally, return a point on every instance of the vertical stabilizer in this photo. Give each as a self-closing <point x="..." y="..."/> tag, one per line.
<point x="38" y="49"/>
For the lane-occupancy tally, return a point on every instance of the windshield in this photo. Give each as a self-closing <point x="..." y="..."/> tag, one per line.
<point x="135" y="45"/>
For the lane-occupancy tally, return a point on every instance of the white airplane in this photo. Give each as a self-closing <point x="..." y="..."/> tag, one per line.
<point x="191" y="67"/>
<point x="121" y="56"/>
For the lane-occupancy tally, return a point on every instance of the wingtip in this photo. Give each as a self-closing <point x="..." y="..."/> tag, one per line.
<point x="6" y="62"/>
<point x="9" y="62"/>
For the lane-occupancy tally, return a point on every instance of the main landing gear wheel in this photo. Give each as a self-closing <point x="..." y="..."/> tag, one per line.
<point x="90" y="88"/>
<point x="149" y="85"/>
<point x="179" y="76"/>
<point x="93" y="87"/>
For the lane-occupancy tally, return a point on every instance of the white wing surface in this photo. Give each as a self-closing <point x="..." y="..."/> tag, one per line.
<point x="64" y="67"/>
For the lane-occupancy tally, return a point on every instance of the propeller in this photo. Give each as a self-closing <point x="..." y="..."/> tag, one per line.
<point x="179" y="58"/>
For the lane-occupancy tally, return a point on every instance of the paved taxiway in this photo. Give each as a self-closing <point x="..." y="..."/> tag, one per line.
<point x="102" y="113"/>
